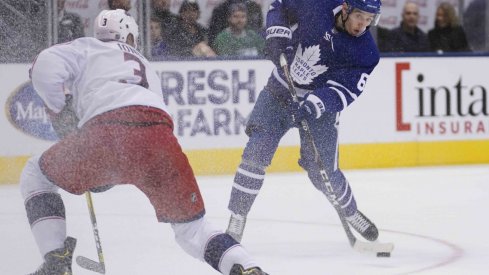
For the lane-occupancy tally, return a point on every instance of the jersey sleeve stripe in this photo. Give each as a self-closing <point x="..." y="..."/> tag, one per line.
<point x="336" y="84"/>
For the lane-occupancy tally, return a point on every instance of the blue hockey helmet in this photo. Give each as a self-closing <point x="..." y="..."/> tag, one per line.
<point x="370" y="6"/>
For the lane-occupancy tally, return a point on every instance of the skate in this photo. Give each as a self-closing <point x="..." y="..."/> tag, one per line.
<point x="364" y="226"/>
<point x="236" y="226"/>
<point x="239" y="270"/>
<point x="58" y="261"/>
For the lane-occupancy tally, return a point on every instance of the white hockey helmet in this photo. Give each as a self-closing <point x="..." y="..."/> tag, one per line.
<point x="115" y="25"/>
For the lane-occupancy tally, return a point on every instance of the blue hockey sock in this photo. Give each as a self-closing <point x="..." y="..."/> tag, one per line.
<point x="247" y="184"/>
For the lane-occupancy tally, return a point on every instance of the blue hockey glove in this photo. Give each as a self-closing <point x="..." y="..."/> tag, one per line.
<point x="277" y="42"/>
<point x="310" y="107"/>
<point x="302" y="110"/>
<point x="275" y="46"/>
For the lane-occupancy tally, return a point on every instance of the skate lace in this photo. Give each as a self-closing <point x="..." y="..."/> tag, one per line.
<point x="359" y="222"/>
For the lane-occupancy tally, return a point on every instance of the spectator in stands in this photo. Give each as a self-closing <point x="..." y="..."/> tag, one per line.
<point x="381" y="36"/>
<point x="475" y="22"/>
<point x="237" y="39"/>
<point x="168" y="20"/>
<point x="408" y="37"/>
<point x="447" y="35"/>
<point x="70" y="24"/>
<point x="220" y="16"/>
<point x="119" y="4"/>
<point x="159" y="48"/>
<point x="190" y="38"/>
<point x="23" y="30"/>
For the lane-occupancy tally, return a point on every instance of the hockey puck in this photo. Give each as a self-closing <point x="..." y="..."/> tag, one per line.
<point x="383" y="254"/>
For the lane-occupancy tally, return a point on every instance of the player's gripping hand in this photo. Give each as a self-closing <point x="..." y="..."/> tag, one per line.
<point x="310" y="108"/>
<point x="277" y="42"/>
<point x="301" y="111"/>
<point x="66" y="120"/>
<point x="274" y="47"/>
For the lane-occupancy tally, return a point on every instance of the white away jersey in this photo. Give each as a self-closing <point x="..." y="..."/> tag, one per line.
<point x="102" y="76"/>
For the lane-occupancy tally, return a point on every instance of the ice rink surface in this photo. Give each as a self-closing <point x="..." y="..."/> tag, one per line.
<point x="436" y="217"/>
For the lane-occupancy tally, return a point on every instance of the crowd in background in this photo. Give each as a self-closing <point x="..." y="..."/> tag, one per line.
<point x="447" y="35"/>
<point x="235" y="29"/>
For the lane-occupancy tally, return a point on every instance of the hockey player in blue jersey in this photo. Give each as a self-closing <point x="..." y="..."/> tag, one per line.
<point x="331" y="55"/>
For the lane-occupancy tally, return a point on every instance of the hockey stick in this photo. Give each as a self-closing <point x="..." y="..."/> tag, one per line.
<point x="86" y="262"/>
<point x="356" y="244"/>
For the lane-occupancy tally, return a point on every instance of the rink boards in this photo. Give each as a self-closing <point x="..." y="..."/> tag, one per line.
<point x="414" y="111"/>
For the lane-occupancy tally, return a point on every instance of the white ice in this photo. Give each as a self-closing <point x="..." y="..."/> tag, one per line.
<point x="436" y="217"/>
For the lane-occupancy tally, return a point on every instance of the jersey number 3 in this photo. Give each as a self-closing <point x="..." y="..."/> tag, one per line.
<point x="141" y="72"/>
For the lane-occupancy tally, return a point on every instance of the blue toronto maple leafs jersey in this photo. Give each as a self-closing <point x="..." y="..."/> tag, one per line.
<point x="333" y="64"/>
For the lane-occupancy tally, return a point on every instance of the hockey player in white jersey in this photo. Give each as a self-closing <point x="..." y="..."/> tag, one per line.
<point x="124" y="135"/>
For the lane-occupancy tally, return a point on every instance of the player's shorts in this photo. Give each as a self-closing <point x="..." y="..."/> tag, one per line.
<point x="131" y="145"/>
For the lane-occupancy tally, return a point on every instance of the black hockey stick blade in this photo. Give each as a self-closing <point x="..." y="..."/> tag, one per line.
<point x="89" y="264"/>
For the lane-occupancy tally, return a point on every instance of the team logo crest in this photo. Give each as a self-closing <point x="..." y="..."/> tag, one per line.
<point x="305" y="66"/>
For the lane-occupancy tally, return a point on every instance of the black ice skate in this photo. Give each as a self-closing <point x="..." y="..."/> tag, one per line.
<point x="239" y="270"/>
<point x="58" y="261"/>
<point x="364" y="226"/>
<point x="236" y="226"/>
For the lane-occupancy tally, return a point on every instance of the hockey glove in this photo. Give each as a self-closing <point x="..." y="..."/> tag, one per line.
<point x="274" y="47"/>
<point x="66" y="120"/>
<point x="310" y="107"/>
<point x="277" y="42"/>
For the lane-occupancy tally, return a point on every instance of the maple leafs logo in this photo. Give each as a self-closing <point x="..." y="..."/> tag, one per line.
<point x="304" y="67"/>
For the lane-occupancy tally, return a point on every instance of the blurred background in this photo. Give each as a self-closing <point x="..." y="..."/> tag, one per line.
<point x="28" y="26"/>
<point x="426" y="103"/>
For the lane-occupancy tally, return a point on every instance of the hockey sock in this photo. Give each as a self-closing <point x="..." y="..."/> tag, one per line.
<point x="222" y="252"/>
<point x="247" y="184"/>
<point x="46" y="215"/>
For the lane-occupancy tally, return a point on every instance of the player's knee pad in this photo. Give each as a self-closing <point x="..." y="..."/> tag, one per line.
<point x="193" y="236"/>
